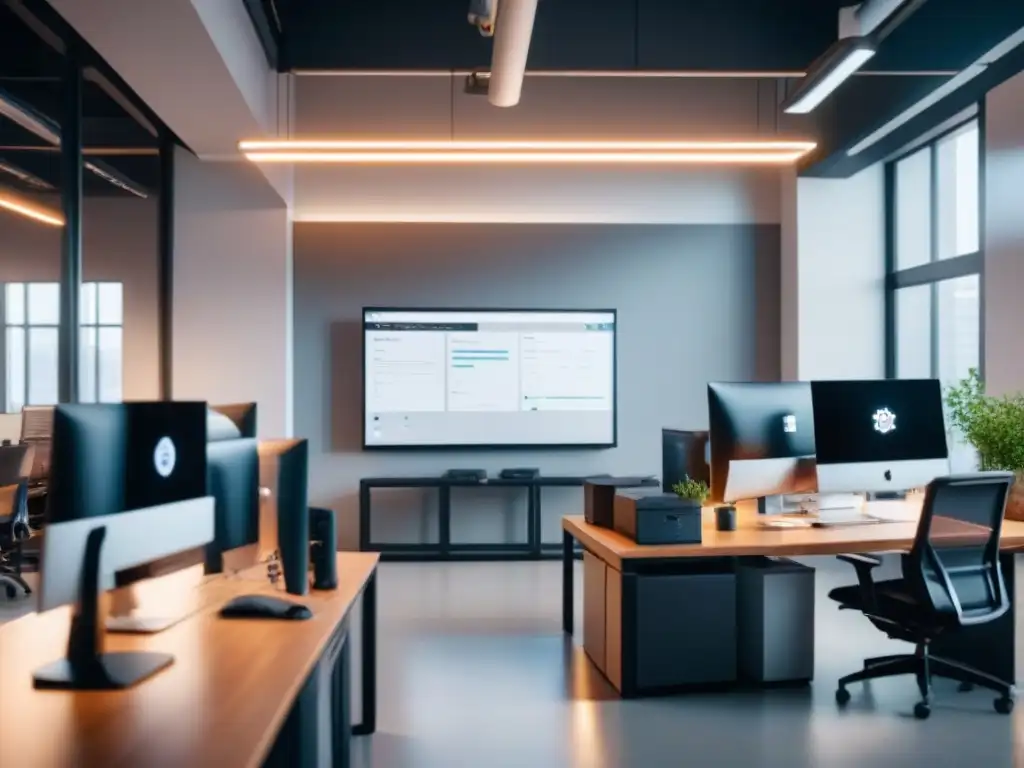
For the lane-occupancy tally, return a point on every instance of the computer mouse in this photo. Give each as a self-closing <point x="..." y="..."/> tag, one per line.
<point x="264" y="607"/>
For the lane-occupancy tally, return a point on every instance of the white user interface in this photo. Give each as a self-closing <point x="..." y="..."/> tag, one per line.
<point x="489" y="378"/>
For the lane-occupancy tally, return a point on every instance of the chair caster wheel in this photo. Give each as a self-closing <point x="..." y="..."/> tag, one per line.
<point x="842" y="697"/>
<point x="1003" y="705"/>
<point x="965" y="687"/>
<point x="922" y="710"/>
<point x="12" y="592"/>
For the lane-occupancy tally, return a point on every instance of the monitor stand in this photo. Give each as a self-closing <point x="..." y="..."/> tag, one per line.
<point x="86" y="667"/>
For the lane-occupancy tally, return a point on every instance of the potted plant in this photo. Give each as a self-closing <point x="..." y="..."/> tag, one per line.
<point x="994" y="426"/>
<point x="695" y="491"/>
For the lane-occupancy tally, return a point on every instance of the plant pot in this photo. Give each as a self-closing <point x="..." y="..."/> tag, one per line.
<point x="1015" y="500"/>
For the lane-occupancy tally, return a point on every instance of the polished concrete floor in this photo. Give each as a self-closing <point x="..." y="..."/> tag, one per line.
<point x="474" y="672"/>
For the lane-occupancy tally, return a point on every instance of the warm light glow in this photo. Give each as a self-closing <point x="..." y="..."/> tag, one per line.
<point x="512" y="145"/>
<point x="30" y="210"/>
<point x="529" y="158"/>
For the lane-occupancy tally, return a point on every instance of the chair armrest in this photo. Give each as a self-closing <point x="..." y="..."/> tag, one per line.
<point x="861" y="561"/>
<point x="864" y="565"/>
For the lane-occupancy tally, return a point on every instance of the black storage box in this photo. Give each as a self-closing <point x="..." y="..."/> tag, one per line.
<point x="653" y="517"/>
<point x="599" y="497"/>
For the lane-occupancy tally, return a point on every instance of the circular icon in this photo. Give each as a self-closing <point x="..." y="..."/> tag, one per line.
<point x="165" y="455"/>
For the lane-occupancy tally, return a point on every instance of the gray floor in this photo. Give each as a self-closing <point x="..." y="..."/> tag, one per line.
<point x="475" y="673"/>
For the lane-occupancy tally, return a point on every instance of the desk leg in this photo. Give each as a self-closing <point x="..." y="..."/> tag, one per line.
<point x="364" y="518"/>
<point x="533" y="520"/>
<point x="444" y="521"/>
<point x="568" y="565"/>
<point x="341" y="717"/>
<point x="369" y="666"/>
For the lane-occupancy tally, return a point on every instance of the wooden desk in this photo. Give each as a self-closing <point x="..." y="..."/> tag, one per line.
<point x="235" y="687"/>
<point x="992" y="647"/>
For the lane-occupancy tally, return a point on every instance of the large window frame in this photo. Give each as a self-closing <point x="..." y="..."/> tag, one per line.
<point x="937" y="269"/>
<point x="89" y="326"/>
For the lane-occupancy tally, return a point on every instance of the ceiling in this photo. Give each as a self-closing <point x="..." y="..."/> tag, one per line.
<point x="772" y="36"/>
<point x="118" y="146"/>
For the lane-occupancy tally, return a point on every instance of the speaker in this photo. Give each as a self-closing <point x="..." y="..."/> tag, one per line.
<point x="323" y="537"/>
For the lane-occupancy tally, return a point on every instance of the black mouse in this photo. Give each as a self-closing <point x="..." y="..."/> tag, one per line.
<point x="265" y="607"/>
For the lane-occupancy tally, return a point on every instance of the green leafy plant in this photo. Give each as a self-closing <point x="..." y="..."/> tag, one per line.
<point x="993" y="425"/>
<point x="688" y="488"/>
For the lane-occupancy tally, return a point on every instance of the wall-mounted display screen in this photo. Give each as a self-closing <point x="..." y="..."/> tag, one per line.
<point x="508" y="378"/>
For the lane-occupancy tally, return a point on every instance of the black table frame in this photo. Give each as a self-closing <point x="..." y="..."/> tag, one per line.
<point x="532" y="549"/>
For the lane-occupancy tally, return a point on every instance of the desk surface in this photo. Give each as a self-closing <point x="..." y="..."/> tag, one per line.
<point x="749" y="539"/>
<point x="220" y="704"/>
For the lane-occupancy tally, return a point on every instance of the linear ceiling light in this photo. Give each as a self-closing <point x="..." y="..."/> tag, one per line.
<point x="525" y="152"/>
<point x="21" y="206"/>
<point x="830" y="71"/>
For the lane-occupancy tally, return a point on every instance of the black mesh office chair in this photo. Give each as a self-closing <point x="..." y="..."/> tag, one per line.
<point x="951" y="579"/>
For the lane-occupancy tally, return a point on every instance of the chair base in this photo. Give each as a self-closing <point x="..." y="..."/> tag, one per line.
<point x="923" y="666"/>
<point x="13" y="584"/>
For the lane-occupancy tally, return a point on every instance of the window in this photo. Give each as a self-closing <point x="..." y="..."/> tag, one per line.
<point x="934" y="281"/>
<point x="31" y="314"/>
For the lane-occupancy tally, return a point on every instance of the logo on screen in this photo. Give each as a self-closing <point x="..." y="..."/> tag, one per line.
<point x="165" y="455"/>
<point x="885" y="421"/>
<point x="789" y="423"/>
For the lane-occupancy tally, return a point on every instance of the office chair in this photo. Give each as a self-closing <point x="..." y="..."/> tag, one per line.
<point x="951" y="580"/>
<point x="13" y="532"/>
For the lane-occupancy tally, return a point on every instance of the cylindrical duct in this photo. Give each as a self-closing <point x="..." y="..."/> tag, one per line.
<point x="512" y="31"/>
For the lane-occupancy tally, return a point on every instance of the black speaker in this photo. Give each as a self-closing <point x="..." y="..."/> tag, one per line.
<point x="323" y="537"/>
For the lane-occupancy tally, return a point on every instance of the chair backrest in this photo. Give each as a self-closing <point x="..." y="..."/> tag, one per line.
<point x="954" y="564"/>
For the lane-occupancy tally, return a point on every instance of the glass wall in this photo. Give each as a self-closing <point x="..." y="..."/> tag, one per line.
<point x="120" y="327"/>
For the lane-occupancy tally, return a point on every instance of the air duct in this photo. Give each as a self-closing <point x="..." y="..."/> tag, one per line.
<point x="513" y="28"/>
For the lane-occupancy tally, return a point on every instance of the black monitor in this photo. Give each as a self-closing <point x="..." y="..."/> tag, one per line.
<point x="233" y="479"/>
<point x="113" y="458"/>
<point x="762" y="439"/>
<point x="879" y="435"/>
<point x="684" y="453"/>
<point x="127" y="488"/>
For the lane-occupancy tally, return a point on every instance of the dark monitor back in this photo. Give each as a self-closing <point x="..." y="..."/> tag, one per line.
<point x="755" y="421"/>
<point x="683" y="454"/>
<point x="233" y="479"/>
<point x="761" y="421"/>
<point x="882" y="420"/>
<point x="111" y="458"/>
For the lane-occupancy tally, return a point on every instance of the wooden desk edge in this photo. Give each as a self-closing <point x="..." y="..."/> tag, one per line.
<point x="352" y="566"/>
<point x="612" y="547"/>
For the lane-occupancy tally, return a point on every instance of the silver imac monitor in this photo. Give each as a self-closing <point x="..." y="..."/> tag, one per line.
<point x="762" y="440"/>
<point x="127" y="488"/>
<point x="877" y="436"/>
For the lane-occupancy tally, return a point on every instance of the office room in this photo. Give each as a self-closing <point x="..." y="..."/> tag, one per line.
<point x="510" y="382"/>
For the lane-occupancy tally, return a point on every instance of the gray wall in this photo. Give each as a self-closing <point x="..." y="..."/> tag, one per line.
<point x="232" y="290"/>
<point x="695" y="303"/>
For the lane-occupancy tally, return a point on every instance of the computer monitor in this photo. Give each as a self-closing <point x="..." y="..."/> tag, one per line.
<point x="284" y="512"/>
<point x="233" y="480"/>
<point x="684" y="453"/>
<point x="127" y="487"/>
<point x="762" y="440"/>
<point x="884" y="435"/>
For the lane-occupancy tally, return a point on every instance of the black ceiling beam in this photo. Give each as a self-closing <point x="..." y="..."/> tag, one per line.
<point x="56" y="32"/>
<point x="268" y="29"/>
